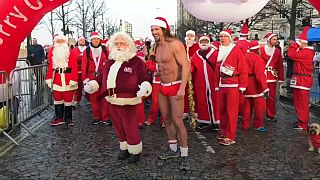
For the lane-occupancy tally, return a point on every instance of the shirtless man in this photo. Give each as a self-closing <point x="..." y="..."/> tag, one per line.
<point x="173" y="69"/>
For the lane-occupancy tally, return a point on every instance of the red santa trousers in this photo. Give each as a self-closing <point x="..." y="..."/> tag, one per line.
<point x="271" y="101"/>
<point x="141" y="116"/>
<point x="63" y="97"/>
<point x="78" y="92"/>
<point x="301" y="104"/>
<point x="154" y="109"/>
<point x="256" y="105"/>
<point x="125" y="123"/>
<point x="100" y="107"/>
<point x="229" y="103"/>
<point x="241" y="104"/>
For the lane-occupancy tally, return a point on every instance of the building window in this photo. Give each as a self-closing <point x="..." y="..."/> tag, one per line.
<point x="299" y="13"/>
<point x="282" y="1"/>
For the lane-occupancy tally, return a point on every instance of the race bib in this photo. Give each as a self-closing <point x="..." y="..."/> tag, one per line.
<point x="228" y="70"/>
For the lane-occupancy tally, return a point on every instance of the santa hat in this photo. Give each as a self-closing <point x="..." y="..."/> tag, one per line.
<point x="61" y="37"/>
<point x="160" y="21"/>
<point x="190" y="32"/>
<point x="254" y="45"/>
<point x="81" y="37"/>
<point x="94" y="35"/>
<point x="268" y="36"/>
<point x="304" y="35"/>
<point x="203" y="37"/>
<point x="215" y="44"/>
<point x="244" y="29"/>
<point x="236" y="39"/>
<point x="227" y="32"/>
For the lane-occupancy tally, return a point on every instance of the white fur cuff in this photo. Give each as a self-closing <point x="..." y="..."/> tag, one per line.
<point x="123" y="145"/>
<point x="135" y="149"/>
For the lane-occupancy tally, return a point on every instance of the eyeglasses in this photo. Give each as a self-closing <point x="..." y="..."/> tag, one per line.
<point x="120" y="43"/>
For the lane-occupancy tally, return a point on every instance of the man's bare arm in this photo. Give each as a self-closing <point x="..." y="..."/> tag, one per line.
<point x="181" y="58"/>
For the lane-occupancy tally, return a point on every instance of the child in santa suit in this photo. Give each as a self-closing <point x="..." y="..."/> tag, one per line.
<point x="62" y="76"/>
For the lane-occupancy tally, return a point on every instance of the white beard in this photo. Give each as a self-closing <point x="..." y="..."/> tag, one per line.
<point x="269" y="50"/>
<point x="204" y="46"/>
<point x="121" y="55"/>
<point x="189" y="42"/>
<point x="60" y="56"/>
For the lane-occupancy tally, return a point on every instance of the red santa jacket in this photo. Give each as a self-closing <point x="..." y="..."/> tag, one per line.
<point x="152" y="67"/>
<point x="302" y="67"/>
<point x="88" y="68"/>
<point x="62" y="79"/>
<point x="193" y="49"/>
<point x="257" y="80"/>
<point x="243" y="44"/>
<point x="126" y="77"/>
<point x="78" y="53"/>
<point x="273" y="65"/>
<point x="232" y="59"/>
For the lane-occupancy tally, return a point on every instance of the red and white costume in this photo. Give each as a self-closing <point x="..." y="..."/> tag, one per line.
<point x="243" y="44"/>
<point x="62" y="77"/>
<point x="191" y="50"/>
<point x="92" y="69"/>
<point x="120" y="83"/>
<point x="274" y="71"/>
<point x="257" y="86"/>
<point x="154" y="108"/>
<point x="231" y="78"/>
<point x="205" y="96"/>
<point x="301" y="80"/>
<point x="78" y="52"/>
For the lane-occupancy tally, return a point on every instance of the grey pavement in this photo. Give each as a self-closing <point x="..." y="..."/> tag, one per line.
<point x="86" y="151"/>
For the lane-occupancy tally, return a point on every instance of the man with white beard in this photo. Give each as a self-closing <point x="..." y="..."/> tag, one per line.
<point x="124" y="83"/>
<point x="203" y="64"/>
<point x="191" y="47"/>
<point x="62" y="78"/>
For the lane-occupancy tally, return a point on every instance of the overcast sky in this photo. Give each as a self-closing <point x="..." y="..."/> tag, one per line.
<point x="138" y="12"/>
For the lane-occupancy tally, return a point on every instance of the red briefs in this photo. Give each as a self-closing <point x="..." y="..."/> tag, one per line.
<point x="170" y="89"/>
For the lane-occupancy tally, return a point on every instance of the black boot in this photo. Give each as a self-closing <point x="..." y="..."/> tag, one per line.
<point x="134" y="158"/>
<point x="59" y="111"/>
<point x="123" y="154"/>
<point x="68" y="115"/>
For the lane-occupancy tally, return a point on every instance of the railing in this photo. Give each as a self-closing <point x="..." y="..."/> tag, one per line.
<point x="24" y="95"/>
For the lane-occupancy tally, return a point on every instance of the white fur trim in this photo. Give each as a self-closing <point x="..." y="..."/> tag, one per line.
<point x="157" y="22"/>
<point x="203" y="38"/>
<point x="68" y="103"/>
<point x="57" y="102"/>
<point x="303" y="41"/>
<point x="62" y="37"/>
<point x="95" y="36"/>
<point x="271" y="36"/>
<point x="271" y="81"/>
<point x="226" y="33"/>
<point x="73" y="83"/>
<point x="135" y="149"/>
<point x="123" y="145"/>
<point x="113" y="72"/>
<point x="216" y="89"/>
<point x="255" y="47"/>
<point x="190" y="32"/>
<point x="48" y="81"/>
<point x="64" y="88"/>
<point x="300" y="87"/>
<point x="242" y="89"/>
<point x="123" y="101"/>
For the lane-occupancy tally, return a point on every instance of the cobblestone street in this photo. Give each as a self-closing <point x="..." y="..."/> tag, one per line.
<point x="86" y="151"/>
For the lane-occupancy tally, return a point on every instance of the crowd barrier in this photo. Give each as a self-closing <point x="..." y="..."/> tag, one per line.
<point x="25" y="94"/>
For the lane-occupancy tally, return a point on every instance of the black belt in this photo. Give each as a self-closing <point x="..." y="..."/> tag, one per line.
<point x="251" y="75"/>
<point x="229" y="76"/>
<point x="63" y="70"/>
<point x="297" y="74"/>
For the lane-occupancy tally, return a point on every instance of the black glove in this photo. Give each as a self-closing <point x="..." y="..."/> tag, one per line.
<point x="266" y="95"/>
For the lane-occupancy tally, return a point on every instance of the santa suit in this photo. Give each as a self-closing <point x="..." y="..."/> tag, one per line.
<point x="154" y="108"/>
<point x="301" y="81"/>
<point x="92" y="69"/>
<point x="78" y="52"/>
<point x="62" y="78"/>
<point x="243" y="44"/>
<point x="120" y="84"/>
<point x="230" y="59"/>
<point x="274" y="71"/>
<point x="191" y="50"/>
<point x="254" y="94"/>
<point x="205" y="96"/>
